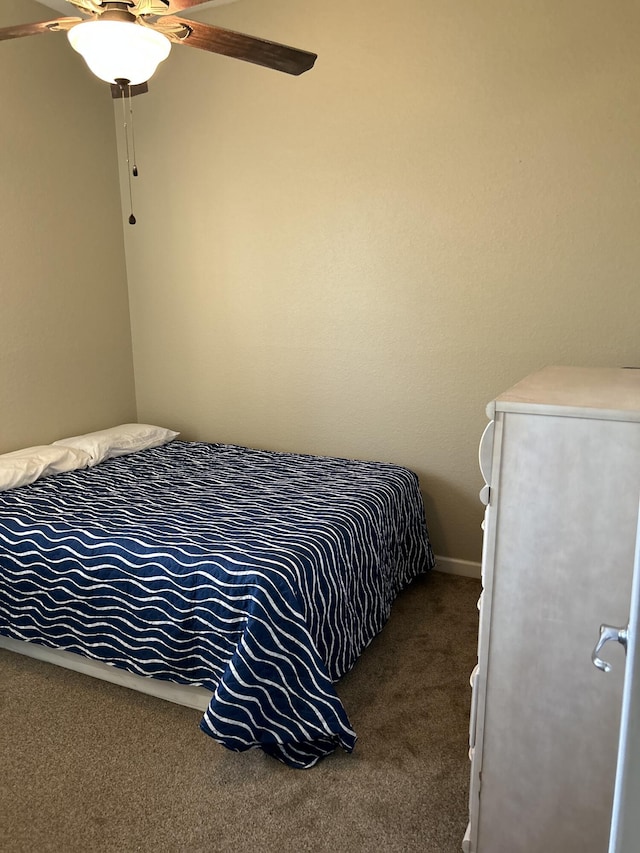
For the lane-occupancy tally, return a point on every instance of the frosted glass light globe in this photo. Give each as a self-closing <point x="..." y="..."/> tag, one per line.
<point x="119" y="50"/>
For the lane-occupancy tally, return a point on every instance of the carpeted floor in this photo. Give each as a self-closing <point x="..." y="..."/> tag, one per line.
<point x="88" y="766"/>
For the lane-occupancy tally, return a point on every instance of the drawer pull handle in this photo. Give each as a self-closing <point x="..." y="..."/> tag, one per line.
<point x="608" y="632"/>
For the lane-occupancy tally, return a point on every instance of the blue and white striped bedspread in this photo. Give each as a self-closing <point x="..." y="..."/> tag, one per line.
<point x="261" y="576"/>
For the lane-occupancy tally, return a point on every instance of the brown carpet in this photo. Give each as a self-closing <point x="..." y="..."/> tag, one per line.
<point x="88" y="766"/>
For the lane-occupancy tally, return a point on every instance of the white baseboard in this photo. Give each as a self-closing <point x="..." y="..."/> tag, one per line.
<point x="451" y="566"/>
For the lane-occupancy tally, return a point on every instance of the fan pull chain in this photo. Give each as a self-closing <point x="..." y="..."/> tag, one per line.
<point x="133" y="136"/>
<point x="122" y="84"/>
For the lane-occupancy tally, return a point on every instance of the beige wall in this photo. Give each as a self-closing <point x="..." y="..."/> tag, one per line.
<point x="356" y="261"/>
<point x="65" y="346"/>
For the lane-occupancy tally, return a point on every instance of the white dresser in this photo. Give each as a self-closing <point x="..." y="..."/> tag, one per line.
<point x="561" y="459"/>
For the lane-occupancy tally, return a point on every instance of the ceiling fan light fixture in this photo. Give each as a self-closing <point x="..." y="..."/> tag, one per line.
<point x="119" y="50"/>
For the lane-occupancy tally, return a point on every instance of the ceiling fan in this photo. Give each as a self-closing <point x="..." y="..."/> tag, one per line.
<point x="123" y="42"/>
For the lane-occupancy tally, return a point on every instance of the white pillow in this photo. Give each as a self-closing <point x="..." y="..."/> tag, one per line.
<point x="25" y="466"/>
<point x="118" y="441"/>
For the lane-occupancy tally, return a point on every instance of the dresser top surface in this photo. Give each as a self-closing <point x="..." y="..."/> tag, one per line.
<point x="609" y="392"/>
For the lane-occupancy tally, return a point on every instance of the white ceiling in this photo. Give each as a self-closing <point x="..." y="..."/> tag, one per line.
<point x="64" y="8"/>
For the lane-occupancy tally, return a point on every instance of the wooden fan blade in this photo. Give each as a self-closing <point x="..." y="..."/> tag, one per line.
<point x="20" y="30"/>
<point x="269" y="54"/>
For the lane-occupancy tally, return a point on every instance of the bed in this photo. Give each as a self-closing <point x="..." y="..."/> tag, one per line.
<point x="253" y="578"/>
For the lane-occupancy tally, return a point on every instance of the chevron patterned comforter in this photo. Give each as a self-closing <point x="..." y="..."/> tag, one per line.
<point x="261" y="576"/>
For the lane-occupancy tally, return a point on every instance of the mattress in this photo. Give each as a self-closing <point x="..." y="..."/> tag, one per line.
<point x="257" y="575"/>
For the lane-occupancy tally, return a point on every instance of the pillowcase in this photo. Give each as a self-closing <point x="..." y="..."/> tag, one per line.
<point x="118" y="441"/>
<point x="25" y="466"/>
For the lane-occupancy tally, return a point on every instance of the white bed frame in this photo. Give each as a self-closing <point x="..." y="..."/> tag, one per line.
<point x="181" y="694"/>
